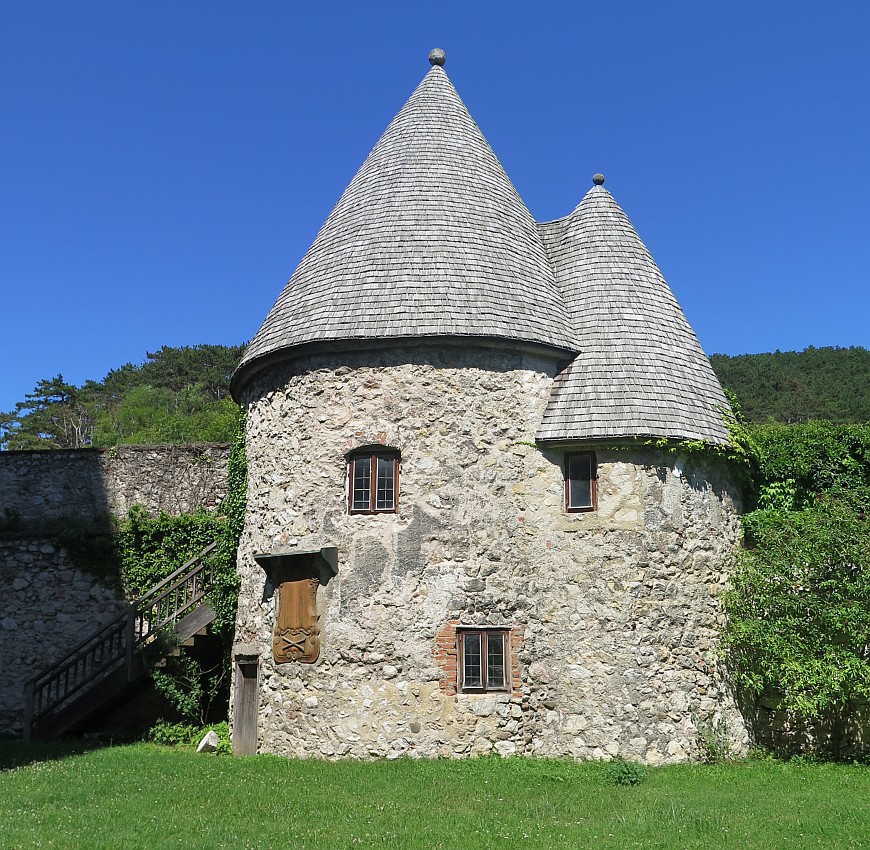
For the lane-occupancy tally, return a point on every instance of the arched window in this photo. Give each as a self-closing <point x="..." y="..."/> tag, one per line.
<point x="373" y="480"/>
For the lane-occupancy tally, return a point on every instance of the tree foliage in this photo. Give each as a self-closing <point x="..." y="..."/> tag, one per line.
<point x="793" y="386"/>
<point x="56" y="415"/>
<point x="810" y="460"/>
<point x="798" y="609"/>
<point x="179" y="395"/>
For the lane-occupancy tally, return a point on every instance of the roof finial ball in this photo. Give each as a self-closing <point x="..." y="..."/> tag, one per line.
<point x="598" y="179"/>
<point x="436" y="56"/>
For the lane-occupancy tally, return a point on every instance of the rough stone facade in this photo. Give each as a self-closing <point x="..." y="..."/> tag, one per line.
<point x="48" y="606"/>
<point x="613" y="613"/>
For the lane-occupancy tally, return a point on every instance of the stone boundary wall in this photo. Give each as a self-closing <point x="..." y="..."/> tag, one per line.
<point x="844" y="736"/>
<point x="40" y="490"/>
<point x="47" y="605"/>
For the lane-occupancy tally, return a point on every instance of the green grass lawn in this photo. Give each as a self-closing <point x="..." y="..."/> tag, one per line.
<point x="142" y="796"/>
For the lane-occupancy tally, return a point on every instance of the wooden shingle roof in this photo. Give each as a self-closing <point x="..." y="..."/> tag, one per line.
<point x="429" y="239"/>
<point x="640" y="370"/>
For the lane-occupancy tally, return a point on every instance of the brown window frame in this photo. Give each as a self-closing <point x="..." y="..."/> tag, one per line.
<point x="372" y="455"/>
<point x="484" y="634"/>
<point x="593" y="483"/>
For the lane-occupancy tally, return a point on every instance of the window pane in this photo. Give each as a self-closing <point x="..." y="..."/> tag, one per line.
<point x="495" y="672"/>
<point x="361" y="483"/>
<point x="471" y="677"/>
<point x="386" y="494"/>
<point x="580" y="481"/>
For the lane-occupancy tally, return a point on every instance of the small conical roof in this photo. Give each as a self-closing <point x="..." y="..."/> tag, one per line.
<point x="429" y="239"/>
<point x="640" y="370"/>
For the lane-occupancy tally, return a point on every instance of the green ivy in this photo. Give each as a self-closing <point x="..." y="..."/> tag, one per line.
<point x="740" y="452"/>
<point x="152" y="547"/>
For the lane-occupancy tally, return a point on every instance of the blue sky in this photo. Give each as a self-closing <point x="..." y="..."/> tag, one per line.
<point x="165" y="164"/>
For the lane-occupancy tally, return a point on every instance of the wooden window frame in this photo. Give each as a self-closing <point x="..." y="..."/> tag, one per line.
<point x="593" y="483"/>
<point x="484" y="633"/>
<point x="373" y="456"/>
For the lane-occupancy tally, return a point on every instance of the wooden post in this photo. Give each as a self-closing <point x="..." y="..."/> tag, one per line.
<point x="129" y="640"/>
<point x="245" y="706"/>
<point x="27" y="734"/>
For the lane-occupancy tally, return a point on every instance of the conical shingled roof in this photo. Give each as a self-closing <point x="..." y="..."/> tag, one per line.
<point x="430" y="238"/>
<point x="640" y="371"/>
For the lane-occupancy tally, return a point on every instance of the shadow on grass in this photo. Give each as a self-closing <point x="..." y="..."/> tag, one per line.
<point x="17" y="754"/>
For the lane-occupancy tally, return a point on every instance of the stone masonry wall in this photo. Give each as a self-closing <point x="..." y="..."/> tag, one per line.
<point x="48" y="606"/>
<point x="43" y="489"/>
<point x="614" y="614"/>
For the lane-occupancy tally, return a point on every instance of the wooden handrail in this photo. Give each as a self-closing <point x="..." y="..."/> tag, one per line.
<point x="117" y="641"/>
<point x="175" y="574"/>
<point x="152" y="615"/>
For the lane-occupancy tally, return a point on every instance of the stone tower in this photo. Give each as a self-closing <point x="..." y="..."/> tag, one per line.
<point x="463" y="534"/>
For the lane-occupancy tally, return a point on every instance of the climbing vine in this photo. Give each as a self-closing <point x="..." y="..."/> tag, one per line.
<point x="740" y="452"/>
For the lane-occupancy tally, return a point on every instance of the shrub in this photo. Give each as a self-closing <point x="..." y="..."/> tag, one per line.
<point x="712" y="741"/>
<point x="622" y="772"/>
<point x="798" y="608"/>
<point x="173" y="734"/>
<point x="186" y="736"/>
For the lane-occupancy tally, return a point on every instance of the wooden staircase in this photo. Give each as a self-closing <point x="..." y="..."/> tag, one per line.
<point x="169" y="614"/>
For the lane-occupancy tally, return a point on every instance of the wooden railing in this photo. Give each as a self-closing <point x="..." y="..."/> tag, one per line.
<point x="114" y="646"/>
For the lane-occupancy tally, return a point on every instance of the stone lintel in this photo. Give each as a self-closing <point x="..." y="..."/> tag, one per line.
<point x="292" y="563"/>
<point x="246" y="653"/>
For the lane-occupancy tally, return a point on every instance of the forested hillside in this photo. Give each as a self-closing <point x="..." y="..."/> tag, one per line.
<point x="181" y="395"/>
<point x="796" y="386"/>
<point x="178" y="395"/>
